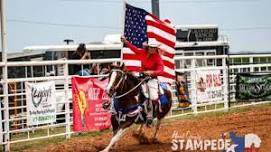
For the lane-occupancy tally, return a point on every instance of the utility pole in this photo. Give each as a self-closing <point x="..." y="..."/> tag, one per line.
<point x="155" y="8"/>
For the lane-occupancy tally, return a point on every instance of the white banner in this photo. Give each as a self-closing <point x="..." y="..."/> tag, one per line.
<point x="209" y="86"/>
<point x="41" y="103"/>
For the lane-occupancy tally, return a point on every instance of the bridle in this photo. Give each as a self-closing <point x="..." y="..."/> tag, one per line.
<point x="123" y="77"/>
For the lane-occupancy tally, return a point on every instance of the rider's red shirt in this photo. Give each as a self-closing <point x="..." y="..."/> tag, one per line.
<point x="151" y="63"/>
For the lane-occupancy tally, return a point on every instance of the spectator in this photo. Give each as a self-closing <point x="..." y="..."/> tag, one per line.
<point x="103" y="71"/>
<point x="80" y="54"/>
<point x="95" y="69"/>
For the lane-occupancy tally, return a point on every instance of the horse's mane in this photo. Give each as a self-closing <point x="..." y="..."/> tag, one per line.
<point x="129" y="74"/>
<point x="130" y="84"/>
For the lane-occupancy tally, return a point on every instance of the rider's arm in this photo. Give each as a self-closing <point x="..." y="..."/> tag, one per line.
<point x="131" y="46"/>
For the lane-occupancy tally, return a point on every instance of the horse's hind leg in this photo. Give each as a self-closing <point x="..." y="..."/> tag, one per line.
<point x="140" y="136"/>
<point x="138" y="130"/>
<point x="115" y="139"/>
<point x="156" y="129"/>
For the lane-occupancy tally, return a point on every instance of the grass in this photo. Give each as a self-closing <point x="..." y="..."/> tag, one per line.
<point x="36" y="133"/>
<point x="37" y="144"/>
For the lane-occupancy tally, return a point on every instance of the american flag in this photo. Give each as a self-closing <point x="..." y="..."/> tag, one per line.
<point x="141" y="25"/>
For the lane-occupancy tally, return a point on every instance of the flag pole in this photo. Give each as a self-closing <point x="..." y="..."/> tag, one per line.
<point x="122" y="26"/>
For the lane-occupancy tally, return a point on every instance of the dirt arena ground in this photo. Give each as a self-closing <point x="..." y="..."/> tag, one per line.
<point x="253" y="120"/>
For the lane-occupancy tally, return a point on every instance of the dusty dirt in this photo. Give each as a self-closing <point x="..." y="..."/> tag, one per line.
<point x="255" y="120"/>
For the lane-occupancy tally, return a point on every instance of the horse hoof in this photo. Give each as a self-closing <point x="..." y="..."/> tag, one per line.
<point x="135" y="134"/>
<point x="143" y="139"/>
<point x="102" y="150"/>
<point x="155" y="141"/>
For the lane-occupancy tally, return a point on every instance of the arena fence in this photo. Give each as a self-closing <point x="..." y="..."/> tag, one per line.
<point x="13" y="124"/>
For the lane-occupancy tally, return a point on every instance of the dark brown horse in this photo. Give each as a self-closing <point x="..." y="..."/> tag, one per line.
<point x="124" y="89"/>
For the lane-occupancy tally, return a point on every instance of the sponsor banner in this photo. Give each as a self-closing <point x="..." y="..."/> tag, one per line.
<point x="253" y="86"/>
<point x="209" y="86"/>
<point x="41" y="103"/>
<point x="182" y="90"/>
<point x="88" y="94"/>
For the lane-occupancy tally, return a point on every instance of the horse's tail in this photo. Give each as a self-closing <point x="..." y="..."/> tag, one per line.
<point x="166" y="108"/>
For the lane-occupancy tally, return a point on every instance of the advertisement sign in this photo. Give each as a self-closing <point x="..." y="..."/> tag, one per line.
<point x="253" y="86"/>
<point x="182" y="90"/>
<point x="209" y="86"/>
<point x="41" y="103"/>
<point x="88" y="94"/>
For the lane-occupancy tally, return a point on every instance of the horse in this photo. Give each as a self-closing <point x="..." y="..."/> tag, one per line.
<point x="124" y="88"/>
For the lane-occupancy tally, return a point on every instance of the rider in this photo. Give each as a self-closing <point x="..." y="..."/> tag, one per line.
<point x="152" y="65"/>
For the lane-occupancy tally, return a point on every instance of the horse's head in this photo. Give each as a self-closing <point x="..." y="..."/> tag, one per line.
<point x="116" y="77"/>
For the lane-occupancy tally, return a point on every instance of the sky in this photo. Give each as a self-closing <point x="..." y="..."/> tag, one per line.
<point x="245" y="23"/>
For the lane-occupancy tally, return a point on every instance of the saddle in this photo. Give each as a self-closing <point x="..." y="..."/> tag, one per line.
<point x="162" y="100"/>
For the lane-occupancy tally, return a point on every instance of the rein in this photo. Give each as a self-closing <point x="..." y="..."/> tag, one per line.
<point x="131" y="90"/>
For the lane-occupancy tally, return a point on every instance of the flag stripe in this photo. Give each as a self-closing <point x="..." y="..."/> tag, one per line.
<point x="130" y="57"/>
<point x="161" y="39"/>
<point x="159" y="24"/>
<point x="169" y="50"/>
<point x="126" y="50"/>
<point x="169" y="70"/>
<point x="133" y="63"/>
<point x="168" y="64"/>
<point x="133" y="68"/>
<point x="166" y="79"/>
<point x="170" y="60"/>
<point x="161" y="33"/>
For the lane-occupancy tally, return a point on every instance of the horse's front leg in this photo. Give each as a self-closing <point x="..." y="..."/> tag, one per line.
<point x="115" y="139"/>
<point x="140" y="136"/>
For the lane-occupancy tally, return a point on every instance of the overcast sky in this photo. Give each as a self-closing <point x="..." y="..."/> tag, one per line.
<point x="246" y="23"/>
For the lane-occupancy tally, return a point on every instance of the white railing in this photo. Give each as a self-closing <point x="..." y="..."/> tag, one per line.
<point x="18" y="131"/>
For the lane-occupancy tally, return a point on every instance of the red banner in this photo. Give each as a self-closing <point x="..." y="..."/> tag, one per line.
<point x="88" y="94"/>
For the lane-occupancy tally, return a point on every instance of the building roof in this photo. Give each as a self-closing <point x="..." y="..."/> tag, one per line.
<point x="24" y="54"/>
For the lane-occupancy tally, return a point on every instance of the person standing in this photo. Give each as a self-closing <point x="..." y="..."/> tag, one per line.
<point x="80" y="54"/>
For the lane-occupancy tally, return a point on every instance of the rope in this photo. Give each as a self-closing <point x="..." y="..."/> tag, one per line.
<point x="120" y="96"/>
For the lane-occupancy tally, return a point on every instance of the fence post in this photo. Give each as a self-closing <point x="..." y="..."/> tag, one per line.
<point x="1" y="126"/>
<point x="67" y="103"/>
<point x="5" y="76"/>
<point x="225" y="84"/>
<point x="194" y="86"/>
<point x="251" y="62"/>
